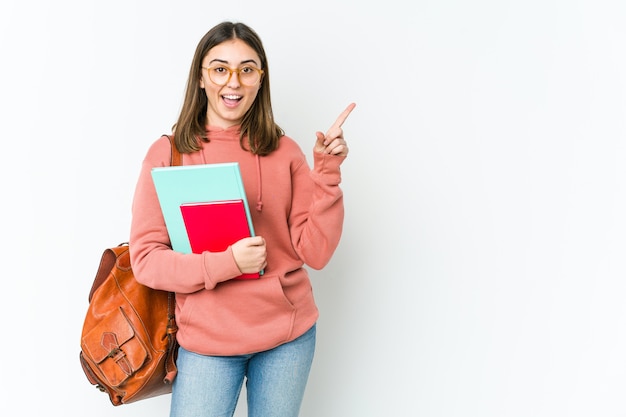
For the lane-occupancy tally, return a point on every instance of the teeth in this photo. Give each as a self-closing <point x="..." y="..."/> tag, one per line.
<point x="232" y="97"/>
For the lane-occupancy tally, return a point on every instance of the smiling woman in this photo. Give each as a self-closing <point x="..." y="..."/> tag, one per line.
<point x="481" y="266"/>
<point x="269" y="340"/>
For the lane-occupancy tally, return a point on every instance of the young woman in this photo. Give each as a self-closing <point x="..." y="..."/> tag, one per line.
<point x="230" y="330"/>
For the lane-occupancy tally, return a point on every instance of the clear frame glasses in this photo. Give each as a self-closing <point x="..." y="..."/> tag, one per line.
<point x="221" y="75"/>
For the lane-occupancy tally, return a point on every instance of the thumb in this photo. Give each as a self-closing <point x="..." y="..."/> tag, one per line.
<point x="319" y="144"/>
<point x="257" y="241"/>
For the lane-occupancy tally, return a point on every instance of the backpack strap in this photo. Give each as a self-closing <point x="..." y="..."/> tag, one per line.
<point x="170" y="364"/>
<point x="176" y="158"/>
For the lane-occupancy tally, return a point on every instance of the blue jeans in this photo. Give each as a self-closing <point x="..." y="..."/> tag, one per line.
<point x="209" y="386"/>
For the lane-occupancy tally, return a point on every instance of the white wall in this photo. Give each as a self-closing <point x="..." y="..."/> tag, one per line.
<point x="482" y="268"/>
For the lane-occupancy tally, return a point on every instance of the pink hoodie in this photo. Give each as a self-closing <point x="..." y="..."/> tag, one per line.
<point x="298" y="211"/>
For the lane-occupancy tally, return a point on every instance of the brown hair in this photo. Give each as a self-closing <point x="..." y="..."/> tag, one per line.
<point x="257" y="126"/>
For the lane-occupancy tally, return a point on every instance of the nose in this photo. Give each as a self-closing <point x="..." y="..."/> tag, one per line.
<point x="233" y="81"/>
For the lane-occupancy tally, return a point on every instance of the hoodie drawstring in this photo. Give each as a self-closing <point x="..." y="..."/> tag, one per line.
<point x="259" y="201"/>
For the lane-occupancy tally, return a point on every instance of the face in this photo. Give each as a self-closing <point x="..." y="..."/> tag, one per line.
<point x="227" y="104"/>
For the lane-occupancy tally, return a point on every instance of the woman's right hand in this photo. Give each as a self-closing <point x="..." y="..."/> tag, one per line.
<point x="250" y="254"/>
<point x="333" y="142"/>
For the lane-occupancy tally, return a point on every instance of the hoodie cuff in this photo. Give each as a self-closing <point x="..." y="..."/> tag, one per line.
<point x="326" y="168"/>
<point x="219" y="267"/>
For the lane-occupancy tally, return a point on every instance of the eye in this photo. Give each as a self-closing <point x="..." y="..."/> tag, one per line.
<point x="220" y="70"/>
<point x="246" y="70"/>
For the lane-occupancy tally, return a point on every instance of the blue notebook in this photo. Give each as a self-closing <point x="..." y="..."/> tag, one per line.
<point x="178" y="185"/>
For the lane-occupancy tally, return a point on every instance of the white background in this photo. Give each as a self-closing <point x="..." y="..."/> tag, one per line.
<point x="481" y="270"/>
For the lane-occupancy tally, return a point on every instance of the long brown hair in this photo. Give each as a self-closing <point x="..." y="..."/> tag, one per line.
<point x="258" y="128"/>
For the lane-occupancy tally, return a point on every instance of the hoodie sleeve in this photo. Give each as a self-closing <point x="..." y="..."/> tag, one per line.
<point x="154" y="263"/>
<point x="317" y="214"/>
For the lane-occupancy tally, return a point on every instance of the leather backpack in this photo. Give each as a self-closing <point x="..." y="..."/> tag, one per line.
<point x="128" y="342"/>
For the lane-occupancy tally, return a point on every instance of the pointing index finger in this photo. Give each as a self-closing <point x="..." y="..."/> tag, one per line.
<point x="344" y="115"/>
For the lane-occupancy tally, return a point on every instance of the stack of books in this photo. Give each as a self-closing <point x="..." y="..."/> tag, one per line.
<point x="204" y="206"/>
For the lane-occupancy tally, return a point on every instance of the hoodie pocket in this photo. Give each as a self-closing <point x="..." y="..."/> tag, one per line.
<point x="248" y="315"/>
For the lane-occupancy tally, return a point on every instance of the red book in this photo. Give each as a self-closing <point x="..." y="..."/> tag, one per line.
<point x="213" y="226"/>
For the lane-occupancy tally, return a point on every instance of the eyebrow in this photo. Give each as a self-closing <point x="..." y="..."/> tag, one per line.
<point x="222" y="61"/>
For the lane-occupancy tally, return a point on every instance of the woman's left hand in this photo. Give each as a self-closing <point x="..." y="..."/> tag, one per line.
<point x="333" y="142"/>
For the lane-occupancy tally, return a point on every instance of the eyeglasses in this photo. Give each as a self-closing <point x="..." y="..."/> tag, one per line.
<point x="221" y="75"/>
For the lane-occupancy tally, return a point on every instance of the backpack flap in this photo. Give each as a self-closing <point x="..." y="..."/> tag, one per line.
<point x="114" y="348"/>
